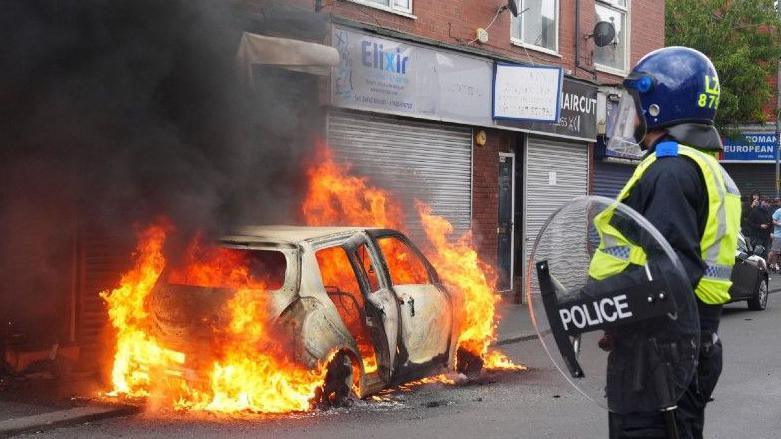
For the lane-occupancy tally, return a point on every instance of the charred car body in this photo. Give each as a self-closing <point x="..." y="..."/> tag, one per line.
<point x="368" y="295"/>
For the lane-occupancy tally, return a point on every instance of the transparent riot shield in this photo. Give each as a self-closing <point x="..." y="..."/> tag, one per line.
<point x="613" y="306"/>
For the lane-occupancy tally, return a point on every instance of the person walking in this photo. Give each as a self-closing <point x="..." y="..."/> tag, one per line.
<point x="775" y="248"/>
<point x="668" y="109"/>
<point x="759" y="223"/>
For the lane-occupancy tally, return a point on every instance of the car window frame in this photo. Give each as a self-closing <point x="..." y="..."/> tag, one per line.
<point x="377" y="234"/>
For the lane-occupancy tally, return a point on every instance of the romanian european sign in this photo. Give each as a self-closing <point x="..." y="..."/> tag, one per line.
<point x="750" y="147"/>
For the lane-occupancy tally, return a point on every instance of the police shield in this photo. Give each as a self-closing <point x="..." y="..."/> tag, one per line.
<point x="613" y="306"/>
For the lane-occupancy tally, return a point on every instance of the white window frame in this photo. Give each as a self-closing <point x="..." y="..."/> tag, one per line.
<point x="405" y="12"/>
<point x="519" y="41"/>
<point x="628" y="32"/>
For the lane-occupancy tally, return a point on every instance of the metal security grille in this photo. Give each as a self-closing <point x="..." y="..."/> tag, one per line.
<point x="431" y="162"/>
<point x="556" y="172"/>
<point x="610" y="178"/>
<point x="751" y="176"/>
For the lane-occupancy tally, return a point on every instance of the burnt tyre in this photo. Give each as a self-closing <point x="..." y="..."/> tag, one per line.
<point x="759" y="301"/>
<point x="468" y="363"/>
<point x="337" y="389"/>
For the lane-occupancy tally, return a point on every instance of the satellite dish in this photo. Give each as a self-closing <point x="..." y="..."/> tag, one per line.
<point x="513" y="6"/>
<point x="604" y="33"/>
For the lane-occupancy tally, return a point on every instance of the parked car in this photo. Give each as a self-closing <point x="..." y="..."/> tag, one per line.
<point x="368" y="294"/>
<point x="749" y="275"/>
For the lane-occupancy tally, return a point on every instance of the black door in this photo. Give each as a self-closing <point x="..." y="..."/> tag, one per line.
<point x="505" y="228"/>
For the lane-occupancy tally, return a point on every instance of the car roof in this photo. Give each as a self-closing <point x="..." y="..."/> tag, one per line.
<point x="289" y="234"/>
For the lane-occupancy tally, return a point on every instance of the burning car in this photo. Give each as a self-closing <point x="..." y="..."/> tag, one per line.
<point x="363" y="301"/>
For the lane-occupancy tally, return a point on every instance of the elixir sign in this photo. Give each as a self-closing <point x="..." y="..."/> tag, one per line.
<point x="397" y="77"/>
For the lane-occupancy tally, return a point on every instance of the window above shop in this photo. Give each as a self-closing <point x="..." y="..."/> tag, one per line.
<point x="613" y="58"/>
<point x="538" y="26"/>
<point x="402" y="7"/>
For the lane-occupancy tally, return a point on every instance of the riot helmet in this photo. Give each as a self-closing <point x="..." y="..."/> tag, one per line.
<point x="673" y="88"/>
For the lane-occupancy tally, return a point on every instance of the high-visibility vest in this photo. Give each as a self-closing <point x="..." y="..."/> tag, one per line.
<point x="718" y="242"/>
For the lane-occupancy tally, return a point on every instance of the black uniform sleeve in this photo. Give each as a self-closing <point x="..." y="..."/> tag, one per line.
<point x="671" y="195"/>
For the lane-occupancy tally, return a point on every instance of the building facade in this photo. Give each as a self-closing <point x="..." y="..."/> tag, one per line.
<point x="491" y="118"/>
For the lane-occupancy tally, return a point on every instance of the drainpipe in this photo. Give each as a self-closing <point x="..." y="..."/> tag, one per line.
<point x="577" y="42"/>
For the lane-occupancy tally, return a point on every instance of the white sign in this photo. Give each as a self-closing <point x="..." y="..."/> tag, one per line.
<point x="527" y="93"/>
<point x="551" y="178"/>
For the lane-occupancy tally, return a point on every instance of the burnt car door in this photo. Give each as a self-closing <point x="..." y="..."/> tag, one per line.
<point x="744" y="273"/>
<point x="381" y="307"/>
<point x="426" y="314"/>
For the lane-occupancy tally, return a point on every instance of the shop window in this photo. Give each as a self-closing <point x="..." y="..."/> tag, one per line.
<point x="403" y="6"/>
<point x="613" y="57"/>
<point x="538" y="26"/>
<point x="404" y="264"/>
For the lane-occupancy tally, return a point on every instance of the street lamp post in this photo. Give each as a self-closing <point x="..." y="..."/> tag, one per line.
<point x="778" y="128"/>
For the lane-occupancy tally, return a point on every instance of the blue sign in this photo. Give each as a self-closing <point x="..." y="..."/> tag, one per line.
<point x="750" y="147"/>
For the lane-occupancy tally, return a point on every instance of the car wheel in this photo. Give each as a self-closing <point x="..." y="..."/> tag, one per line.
<point x="337" y="389"/>
<point x="759" y="301"/>
<point x="468" y="363"/>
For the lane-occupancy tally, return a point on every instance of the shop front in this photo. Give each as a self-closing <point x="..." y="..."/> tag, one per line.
<point x="555" y="158"/>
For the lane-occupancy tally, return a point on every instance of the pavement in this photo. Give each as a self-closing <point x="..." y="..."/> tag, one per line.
<point x="514" y="323"/>
<point x="36" y="404"/>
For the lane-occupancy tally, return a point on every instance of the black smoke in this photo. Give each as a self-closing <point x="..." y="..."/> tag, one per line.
<point x="114" y="113"/>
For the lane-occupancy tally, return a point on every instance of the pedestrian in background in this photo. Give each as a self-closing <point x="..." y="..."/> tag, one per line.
<point x="759" y="224"/>
<point x="775" y="250"/>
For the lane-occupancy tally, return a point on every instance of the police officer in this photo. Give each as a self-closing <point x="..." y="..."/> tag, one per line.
<point x="668" y="109"/>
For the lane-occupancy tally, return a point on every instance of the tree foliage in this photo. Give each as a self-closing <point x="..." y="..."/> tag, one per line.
<point x="743" y="39"/>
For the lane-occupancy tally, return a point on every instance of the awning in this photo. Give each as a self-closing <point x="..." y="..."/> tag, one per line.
<point x="297" y="55"/>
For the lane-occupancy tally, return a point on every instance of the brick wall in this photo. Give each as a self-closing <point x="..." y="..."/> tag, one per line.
<point x="485" y="180"/>
<point x="455" y="21"/>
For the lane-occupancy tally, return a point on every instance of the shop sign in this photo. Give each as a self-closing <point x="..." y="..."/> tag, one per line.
<point x="391" y="76"/>
<point x="529" y="93"/>
<point x="578" y="113"/>
<point x="749" y="147"/>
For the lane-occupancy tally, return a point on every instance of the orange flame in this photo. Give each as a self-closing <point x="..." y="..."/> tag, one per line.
<point x="251" y="371"/>
<point x="335" y="197"/>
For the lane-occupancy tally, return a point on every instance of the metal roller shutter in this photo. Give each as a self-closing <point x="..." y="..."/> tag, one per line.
<point x="753" y="176"/>
<point x="609" y="178"/>
<point x="431" y="162"/>
<point x="556" y="172"/>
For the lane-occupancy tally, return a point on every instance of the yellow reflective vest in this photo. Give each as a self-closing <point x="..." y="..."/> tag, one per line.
<point x="718" y="242"/>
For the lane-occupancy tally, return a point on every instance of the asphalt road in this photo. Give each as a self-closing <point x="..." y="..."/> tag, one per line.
<point x="537" y="403"/>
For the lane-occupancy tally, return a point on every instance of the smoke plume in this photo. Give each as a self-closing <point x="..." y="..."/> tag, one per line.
<point x="115" y="113"/>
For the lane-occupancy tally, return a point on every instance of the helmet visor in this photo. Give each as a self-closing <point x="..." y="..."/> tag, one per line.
<point x="625" y="129"/>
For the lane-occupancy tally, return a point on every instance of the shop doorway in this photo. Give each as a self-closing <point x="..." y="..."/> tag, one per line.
<point x="506" y="228"/>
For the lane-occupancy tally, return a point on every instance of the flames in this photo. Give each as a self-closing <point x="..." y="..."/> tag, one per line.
<point x="250" y="371"/>
<point x="335" y="197"/>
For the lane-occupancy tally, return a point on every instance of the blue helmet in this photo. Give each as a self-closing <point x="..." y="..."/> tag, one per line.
<point x="668" y="87"/>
